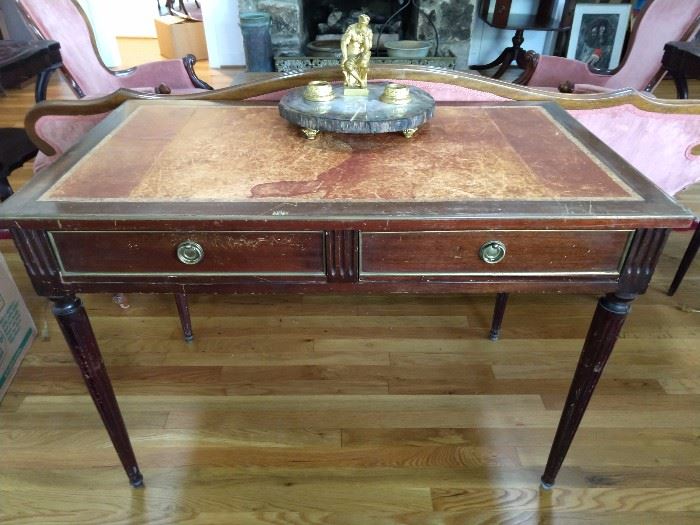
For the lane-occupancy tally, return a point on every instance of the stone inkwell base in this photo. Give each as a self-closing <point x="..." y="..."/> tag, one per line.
<point x="387" y="108"/>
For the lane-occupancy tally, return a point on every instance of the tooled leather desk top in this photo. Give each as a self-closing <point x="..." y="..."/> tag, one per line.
<point x="205" y="152"/>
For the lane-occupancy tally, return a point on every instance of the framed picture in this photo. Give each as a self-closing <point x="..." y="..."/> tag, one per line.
<point x="598" y="33"/>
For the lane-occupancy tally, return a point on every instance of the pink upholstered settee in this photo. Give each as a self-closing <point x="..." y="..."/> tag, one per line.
<point x="658" y="137"/>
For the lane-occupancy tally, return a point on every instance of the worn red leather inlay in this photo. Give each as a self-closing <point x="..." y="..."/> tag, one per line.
<point x="189" y="152"/>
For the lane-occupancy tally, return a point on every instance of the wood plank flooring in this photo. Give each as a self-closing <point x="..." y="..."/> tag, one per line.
<point x="355" y="410"/>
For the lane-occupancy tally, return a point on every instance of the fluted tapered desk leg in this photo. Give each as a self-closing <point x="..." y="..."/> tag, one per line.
<point x="183" y="310"/>
<point x="76" y="328"/>
<point x="607" y="322"/>
<point x="499" y="311"/>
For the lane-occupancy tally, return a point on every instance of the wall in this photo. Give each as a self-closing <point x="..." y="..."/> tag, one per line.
<point x="133" y="18"/>
<point x="287" y="28"/>
<point x="454" y="20"/>
<point x="223" y="34"/>
<point x="100" y="15"/>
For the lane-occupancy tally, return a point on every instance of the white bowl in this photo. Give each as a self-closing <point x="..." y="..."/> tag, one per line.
<point x="407" y="48"/>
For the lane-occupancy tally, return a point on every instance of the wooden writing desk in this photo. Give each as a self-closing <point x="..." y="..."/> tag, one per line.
<point x="485" y="198"/>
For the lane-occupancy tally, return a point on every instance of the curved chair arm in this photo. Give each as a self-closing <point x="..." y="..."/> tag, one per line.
<point x="55" y="125"/>
<point x="547" y="70"/>
<point x="176" y="74"/>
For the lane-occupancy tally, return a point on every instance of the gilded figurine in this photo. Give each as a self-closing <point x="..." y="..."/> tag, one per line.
<point x="356" y="46"/>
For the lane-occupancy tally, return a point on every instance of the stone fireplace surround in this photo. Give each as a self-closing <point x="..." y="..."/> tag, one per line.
<point x="453" y="19"/>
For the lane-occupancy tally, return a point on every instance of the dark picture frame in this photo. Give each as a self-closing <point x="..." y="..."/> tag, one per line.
<point x="598" y="34"/>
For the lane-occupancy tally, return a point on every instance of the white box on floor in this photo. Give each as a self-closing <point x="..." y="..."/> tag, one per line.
<point x="178" y="37"/>
<point x="17" y="329"/>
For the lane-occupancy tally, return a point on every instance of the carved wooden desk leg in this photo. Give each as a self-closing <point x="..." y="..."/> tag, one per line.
<point x="687" y="260"/>
<point x="75" y="325"/>
<point x="183" y="309"/>
<point x="499" y="311"/>
<point x="607" y="322"/>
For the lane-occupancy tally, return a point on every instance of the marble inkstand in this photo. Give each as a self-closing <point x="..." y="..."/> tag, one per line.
<point x="388" y="108"/>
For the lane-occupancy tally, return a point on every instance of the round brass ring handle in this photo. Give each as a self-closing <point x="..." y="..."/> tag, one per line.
<point x="190" y="252"/>
<point x="492" y="252"/>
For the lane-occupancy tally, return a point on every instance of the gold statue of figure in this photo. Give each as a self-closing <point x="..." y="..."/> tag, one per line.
<point x="356" y="46"/>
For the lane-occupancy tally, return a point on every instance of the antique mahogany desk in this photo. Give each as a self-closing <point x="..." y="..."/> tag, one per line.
<point x="515" y="197"/>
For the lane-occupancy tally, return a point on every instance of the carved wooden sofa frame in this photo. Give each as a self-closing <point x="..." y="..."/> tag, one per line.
<point x="453" y="85"/>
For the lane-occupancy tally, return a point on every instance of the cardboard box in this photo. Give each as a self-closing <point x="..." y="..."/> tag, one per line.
<point x="178" y="37"/>
<point x="17" y="330"/>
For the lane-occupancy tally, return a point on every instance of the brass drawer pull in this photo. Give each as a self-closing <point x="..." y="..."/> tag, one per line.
<point x="190" y="252"/>
<point x="492" y="252"/>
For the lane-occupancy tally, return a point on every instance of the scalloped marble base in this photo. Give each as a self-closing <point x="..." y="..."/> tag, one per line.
<point x="352" y="114"/>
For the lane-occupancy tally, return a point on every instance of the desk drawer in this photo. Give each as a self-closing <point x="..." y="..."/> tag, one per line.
<point x="526" y="252"/>
<point x="226" y="253"/>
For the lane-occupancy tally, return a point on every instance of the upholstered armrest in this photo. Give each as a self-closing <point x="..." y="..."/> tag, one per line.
<point x="176" y="74"/>
<point x="60" y="132"/>
<point x="551" y="71"/>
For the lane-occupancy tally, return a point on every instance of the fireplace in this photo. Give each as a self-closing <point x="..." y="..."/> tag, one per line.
<point x="295" y="23"/>
<point x="327" y="20"/>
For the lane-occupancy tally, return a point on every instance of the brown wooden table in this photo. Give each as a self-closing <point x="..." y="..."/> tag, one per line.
<point x="682" y="61"/>
<point x="514" y="197"/>
<point x="23" y="60"/>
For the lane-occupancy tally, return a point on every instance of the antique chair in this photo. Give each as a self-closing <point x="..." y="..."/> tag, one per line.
<point x="661" y="21"/>
<point x="65" y="21"/>
<point x="665" y="130"/>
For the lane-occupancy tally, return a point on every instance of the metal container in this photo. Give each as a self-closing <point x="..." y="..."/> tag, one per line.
<point x="324" y="48"/>
<point x="257" y="42"/>
<point x="407" y="48"/>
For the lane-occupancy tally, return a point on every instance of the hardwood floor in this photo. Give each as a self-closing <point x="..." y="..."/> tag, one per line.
<point x="355" y="410"/>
